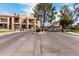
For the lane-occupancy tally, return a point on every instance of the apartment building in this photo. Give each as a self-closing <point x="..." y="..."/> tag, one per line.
<point x="55" y="26"/>
<point x="19" y="22"/>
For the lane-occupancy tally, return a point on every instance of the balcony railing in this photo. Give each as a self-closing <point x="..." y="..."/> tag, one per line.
<point x="3" y="20"/>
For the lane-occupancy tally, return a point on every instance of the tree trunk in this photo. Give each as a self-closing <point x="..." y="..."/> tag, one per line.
<point x="43" y="21"/>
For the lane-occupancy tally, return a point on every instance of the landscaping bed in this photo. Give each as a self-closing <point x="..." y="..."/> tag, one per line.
<point x="5" y="30"/>
<point x="73" y="30"/>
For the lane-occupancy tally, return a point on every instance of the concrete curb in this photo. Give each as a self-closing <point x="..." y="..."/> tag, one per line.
<point x="71" y="33"/>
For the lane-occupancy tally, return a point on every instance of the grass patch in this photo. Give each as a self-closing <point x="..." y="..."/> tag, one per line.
<point x="73" y="30"/>
<point x="5" y="30"/>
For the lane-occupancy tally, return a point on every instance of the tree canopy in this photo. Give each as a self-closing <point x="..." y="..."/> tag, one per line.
<point x="45" y="12"/>
<point x="66" y="17"/>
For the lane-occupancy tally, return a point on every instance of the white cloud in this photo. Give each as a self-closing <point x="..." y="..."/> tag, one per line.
<point x="28" y="9"/>
<point x="4" y="12"/>
<point x="57" y="16"/>
<point x="71" y="8"/>
<point x="66" y="3"/>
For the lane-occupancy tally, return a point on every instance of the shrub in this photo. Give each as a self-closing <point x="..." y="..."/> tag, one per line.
<point x="38" y="30"/>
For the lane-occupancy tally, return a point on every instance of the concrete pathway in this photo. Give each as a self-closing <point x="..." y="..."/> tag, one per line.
<point x="72" y="33"/>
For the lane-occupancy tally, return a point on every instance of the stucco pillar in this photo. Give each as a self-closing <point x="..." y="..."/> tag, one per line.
<point x="12" y="23"/>
<point x="27" y="23"/>
<point x="20" y="21"/>
<point x="8" y="19"/>
<point x="35" y="23"/>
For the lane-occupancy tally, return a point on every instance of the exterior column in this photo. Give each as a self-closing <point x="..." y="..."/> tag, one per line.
<point x="8" y="19"/>
<point x="20" y="21"/>
<point x="35" y="23"/>
<point x="27" y="23"/>
<point x="12" y="23"/>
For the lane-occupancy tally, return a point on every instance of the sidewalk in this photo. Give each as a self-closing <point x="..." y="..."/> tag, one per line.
<point x="72" y="33"/>
<point x="1" y="34"/>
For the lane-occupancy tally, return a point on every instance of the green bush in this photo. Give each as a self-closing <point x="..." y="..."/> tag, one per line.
<point x="38" y="30"/>
<point x="73" y="30"/>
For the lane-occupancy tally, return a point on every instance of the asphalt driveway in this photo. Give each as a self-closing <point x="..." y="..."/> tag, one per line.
<point x="39" y="44"/>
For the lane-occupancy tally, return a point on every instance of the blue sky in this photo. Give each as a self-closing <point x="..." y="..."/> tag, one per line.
<point x="17" y="8"/>
<point x="22" y="8"/>
<point x="58" y="6"/>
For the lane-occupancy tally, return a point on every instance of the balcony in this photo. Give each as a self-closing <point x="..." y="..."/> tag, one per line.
<point x="31" y="21"/>
<point x="3" y="20"/>
<point x="16" y="20"/>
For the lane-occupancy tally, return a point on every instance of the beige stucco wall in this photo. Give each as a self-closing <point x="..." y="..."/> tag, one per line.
<point x="21" y="19"/>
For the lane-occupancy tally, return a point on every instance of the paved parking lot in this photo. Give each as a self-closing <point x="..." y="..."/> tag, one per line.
<point x="39" y="44"/>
